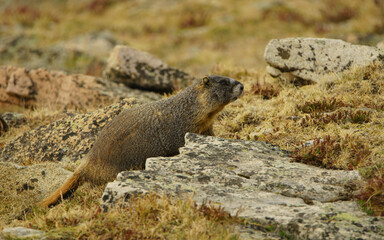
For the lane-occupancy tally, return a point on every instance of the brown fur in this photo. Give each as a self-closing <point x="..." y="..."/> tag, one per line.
<point x="150" y="130"/>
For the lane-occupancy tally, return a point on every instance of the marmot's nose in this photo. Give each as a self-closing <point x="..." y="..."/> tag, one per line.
<point x="241" y="87"/>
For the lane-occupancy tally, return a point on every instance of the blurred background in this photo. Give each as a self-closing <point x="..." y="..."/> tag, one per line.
<point x="77" y="35"/>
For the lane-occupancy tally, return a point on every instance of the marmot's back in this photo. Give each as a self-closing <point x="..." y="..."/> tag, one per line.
<point x="133" y="136"/>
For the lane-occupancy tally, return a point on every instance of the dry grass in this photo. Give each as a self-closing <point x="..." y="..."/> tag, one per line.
<point x="146" y="217"/>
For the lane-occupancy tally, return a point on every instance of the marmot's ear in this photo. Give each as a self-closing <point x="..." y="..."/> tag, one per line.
<point x="205" y="81"/>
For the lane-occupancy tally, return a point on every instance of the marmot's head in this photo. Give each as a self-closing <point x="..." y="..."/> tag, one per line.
<point x="221" y="90"/>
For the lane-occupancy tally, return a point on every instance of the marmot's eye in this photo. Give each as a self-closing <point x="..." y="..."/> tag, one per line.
<point x="224" y="83"/>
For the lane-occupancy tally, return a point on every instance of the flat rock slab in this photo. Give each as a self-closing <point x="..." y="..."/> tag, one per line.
<point x="258" y="181"/>
<point x="311" y="58"/>
<point x="67" y="139"/>
<point x="142" y="70"/>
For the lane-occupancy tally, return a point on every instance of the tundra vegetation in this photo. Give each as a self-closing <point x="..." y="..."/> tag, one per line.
<point x="336" y="124"/>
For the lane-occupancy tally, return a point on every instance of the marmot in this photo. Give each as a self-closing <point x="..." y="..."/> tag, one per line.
<point x="150" y="130"/>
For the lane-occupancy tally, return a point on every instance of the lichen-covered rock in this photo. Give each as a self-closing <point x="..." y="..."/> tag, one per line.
<point x="255" y="180"/>
<point x="142" y="70"/>
<point x="39" y="87"/>
<point x="309" y="59"/>
<point x="69" y="138"/>
<point x="14" y="119"/>
<point x="22" y="233"/>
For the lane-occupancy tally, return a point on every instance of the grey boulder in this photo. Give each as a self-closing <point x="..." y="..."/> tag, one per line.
<point x="142" y="70"/>
<point x="310" y="59"/>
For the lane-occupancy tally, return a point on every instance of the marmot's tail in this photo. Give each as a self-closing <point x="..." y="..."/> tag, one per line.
<point x="66" y="189"/>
